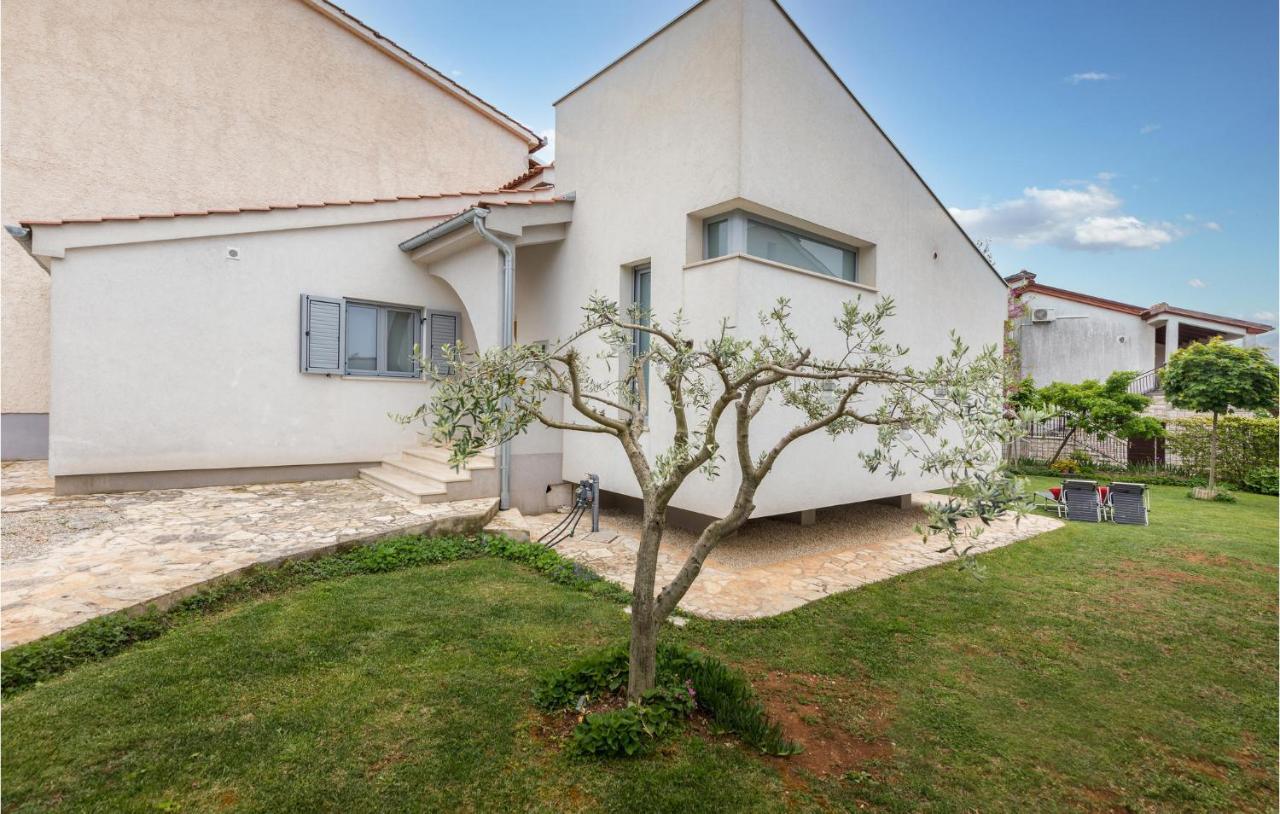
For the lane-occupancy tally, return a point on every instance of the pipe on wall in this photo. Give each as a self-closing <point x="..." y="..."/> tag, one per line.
<point x="508" y="253"/>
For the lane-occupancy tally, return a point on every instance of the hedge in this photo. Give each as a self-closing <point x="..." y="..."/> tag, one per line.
<point x="1245" y="444"/>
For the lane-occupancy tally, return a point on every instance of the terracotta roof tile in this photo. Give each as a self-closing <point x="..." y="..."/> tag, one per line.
<point x="272" y="207"/>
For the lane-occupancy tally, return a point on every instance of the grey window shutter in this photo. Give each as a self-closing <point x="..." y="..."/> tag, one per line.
<point x="322" y="338"/>
<point x="442" y="329"/>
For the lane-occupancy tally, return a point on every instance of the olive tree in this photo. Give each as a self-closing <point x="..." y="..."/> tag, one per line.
<point x="949" y="417"/>
<point x="1215" y="377"/>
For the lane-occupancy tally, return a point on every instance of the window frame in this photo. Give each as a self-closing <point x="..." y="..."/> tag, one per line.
<point x="736" y="241"/>
<point x="642" y="271"/>
<point x="382" y="337"/>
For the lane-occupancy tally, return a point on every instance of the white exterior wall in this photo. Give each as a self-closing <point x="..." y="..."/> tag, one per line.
<point x="132" y="106"/>
<point x="731" y="103"/>
<point x="167" y="356"/>
<point x="651" y="140"/>
<point x="1084" y="342"/>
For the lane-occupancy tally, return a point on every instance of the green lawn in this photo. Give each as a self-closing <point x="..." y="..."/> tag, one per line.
<point x="1096" y="667"/>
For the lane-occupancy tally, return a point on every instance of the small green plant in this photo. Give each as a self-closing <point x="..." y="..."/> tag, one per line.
<point x="626" y="732"/>
<point x="1264" y="480"/>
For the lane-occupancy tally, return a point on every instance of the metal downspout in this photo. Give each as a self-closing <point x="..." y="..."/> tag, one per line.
<point x="508" y="252"/>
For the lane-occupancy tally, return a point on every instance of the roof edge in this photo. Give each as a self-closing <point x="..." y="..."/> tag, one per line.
<point x="809" y="43"/>
<point x="391" y="48"/>
<point x="1034" y="287"/>
<point x="1144" y="312"/>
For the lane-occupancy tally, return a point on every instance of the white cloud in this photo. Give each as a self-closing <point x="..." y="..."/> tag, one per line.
<point x="1107" y="177"/>
<point x="1089" y="76"/>
<point x="1264" y="316"/>
<point x="1213" y="226"/>
<point x="456" y="72"/>
<point x="1082" y="219"/>
<point x="1148" y="129"/>
<point x="1196" y="282"/>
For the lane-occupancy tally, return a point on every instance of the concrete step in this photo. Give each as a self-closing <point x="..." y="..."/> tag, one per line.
<point x="441" y="455"/>
<point x="426" y="468"/>
<point x="405" y="484"/>
<point x="509" y="523"/>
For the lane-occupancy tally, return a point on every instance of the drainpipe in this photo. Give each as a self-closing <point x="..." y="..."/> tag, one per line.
<point x="508" y="252"/>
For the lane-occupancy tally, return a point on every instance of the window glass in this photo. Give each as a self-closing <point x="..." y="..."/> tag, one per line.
<point x="400" y="338"/>
<point x="784" y="246"/>
<point x="641" y="295"/>
<point x="717" y="240"/>
<point x="362" y="337"/>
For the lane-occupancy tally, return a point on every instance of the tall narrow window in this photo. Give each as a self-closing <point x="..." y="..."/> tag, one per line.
<point x="642" y="300"/>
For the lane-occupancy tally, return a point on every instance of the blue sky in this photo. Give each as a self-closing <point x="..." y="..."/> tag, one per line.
<point x="1126" y="149"/>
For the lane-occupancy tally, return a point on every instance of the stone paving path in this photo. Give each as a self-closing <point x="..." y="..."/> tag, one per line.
<point x="69" y="559"/>
<point x="751" y="587"/>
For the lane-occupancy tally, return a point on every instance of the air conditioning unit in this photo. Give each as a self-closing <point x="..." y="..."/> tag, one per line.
<point x="1043" y="315"/>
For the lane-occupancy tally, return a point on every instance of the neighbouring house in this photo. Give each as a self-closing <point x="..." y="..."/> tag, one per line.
<point x="718" y="165"/>
<point x="135" y="106"/>
<point x="1067" y="336"/>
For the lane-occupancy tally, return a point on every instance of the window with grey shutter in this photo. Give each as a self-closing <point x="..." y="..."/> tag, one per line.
<point x="442" y="329"/>
<point x="322" y="338"/>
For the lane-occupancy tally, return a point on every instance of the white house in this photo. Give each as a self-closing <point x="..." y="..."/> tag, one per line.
<point x="1067" y="336"/>
<point x="716" y="166"/>
<point x="128" y="106"/>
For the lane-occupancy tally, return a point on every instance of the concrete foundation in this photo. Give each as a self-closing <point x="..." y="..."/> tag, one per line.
<point x="24" y="436"/>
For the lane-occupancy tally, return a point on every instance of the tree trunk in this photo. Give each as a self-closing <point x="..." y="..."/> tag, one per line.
<point x="1213" y="456"/>
<point x="642" y="667"/>
<point x="643" y="662"/>
<point x="1062" y="446"/>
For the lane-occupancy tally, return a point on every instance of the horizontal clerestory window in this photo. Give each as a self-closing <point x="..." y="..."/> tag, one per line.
<point x="744" y="233"/>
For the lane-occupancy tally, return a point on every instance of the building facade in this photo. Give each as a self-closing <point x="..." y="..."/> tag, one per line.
<point x="719" y="165"/>
<point x="123" y="107"/>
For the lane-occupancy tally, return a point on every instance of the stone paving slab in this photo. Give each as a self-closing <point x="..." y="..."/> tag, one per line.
<point x="742" y="588"/>
<point x="123" y="551"/>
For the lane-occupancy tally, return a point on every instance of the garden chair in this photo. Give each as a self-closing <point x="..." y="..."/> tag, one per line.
<point x="1129" y="503"/>
<point x="1082" y="500"/>
<point x="1051" y="500"/>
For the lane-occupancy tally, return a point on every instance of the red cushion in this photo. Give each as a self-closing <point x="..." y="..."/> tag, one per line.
<point x="1056" y="491"/>
<point x="1102" y="490"/>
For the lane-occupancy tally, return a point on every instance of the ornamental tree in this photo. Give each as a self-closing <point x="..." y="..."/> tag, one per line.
<point x="1094" y="407"/>
<point x="948" y="418"/>
<point x="1215" y="377"/>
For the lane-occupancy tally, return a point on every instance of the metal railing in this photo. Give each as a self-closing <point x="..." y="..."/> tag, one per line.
<point x="1145" y="383"/>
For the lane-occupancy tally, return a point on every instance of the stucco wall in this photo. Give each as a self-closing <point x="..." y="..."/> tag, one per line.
<point x="128" y="106"/>
<point x="731" y="103"/>
<point x="171" y="357"/>
<point x="1084" y="342"/>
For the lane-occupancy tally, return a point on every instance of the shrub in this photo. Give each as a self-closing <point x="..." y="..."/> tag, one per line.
<point x="1265" y="480"/>
<point x="685" y="678"/>
<point x="1083" y="460"/>
<point x="1245" y="443"/>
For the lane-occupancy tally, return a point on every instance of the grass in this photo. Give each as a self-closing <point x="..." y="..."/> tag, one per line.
<point x="1096" y="667"/>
